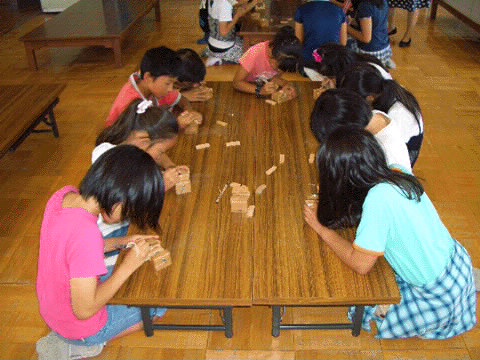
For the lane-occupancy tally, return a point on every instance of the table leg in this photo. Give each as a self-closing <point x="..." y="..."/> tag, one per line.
<point x="117" y="52"/>
<point x="228" y="321"/>
<point x="276" y="320"/>
<point x="158" y="13"/>
<point x="147" y="321"/>
<point x="32" y="60"/>
<point x="53" y="122"/>
<point x="357" y="320"/>
<point x="433" y="10"/>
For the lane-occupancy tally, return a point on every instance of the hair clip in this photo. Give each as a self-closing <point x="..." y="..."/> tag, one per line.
<point x="143" y="106"/>
<point x="318" y="58"/>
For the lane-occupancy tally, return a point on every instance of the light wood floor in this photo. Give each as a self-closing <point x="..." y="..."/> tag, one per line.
<point x="442" y="68"/>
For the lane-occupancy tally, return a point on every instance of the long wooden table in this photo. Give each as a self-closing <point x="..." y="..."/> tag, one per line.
<point x="277" y="13"/>
<point x="226" y="260"/>
<point x="89" y="23"/>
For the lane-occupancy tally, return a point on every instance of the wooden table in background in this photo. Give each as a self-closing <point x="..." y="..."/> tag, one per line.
<point x="278" y="13"/>
<point x="225" y="260"/>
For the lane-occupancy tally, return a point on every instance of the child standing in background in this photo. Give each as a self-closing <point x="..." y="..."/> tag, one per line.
<point x="318" y="23"/>
<point x="390" y="97"/>
<point x="395" y="219"/>
<point x="72" y="300"/>
<point x="263" y="64"/>
<point x="158" y="73"/>
<point x="370" y="30"/>
<point x="223" y="43"/>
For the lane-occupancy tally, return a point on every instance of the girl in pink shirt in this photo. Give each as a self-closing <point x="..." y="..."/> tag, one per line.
<point x="71" y="298"/>
<point x="263" y="64"/>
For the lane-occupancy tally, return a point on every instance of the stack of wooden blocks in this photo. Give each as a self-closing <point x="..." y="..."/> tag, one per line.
<point x="239" y="199"/>
<point x="160" y="257"/>
<point x="183" y="186"/>
<point x="283" y="95"/>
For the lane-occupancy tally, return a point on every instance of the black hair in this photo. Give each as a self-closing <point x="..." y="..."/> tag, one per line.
<point x="350" y="163"/>
<point x="160" y="61"/>
<point x="159" y="123"/>
<point x="192" y="68"/>
<point x="287" y="50"/>
<point x="377" y="3"/>
<point x="336" y="59"/>
<point x="127" y="175"/>
<point x="367" y="81"/>
<point x="338" y="107"/>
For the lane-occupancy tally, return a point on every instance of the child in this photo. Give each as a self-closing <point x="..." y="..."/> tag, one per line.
<point x="203" y="20"/>
<point x="191" y="76"/>
<point x="370" y="29"/>
<point x="72" y="300"/>
<point x="396" y="219"/>
<point x="263" y="64"/>
<point x="223" y="44"/>
<point x="340" y="107"/>
<point x="318" y="23"/>
<point x="158" y="72"/>
<point x="391" y="98"/>
<point x="332" y="60"/>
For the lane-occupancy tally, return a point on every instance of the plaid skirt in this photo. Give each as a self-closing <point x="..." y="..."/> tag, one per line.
<point x="384" y="55"/>
<point x="440" y="310"/>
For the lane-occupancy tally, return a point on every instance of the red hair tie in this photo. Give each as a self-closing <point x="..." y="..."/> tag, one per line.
<point x="318" y="58"/>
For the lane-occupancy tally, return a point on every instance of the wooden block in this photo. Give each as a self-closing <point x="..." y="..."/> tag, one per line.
<point x="159" y="256"/>
<point x="241" y="190"/>
<point x="311" y="158"/>
<point x="232" y="143"/>
<point x="234" y="184"/>
<point x="183" y="174"/>
<point x="271" y="102"/>
<point x="202" y="146"/>
<point x="271" y="170"/>
<point x="280" y="96"/>
<point x="239" y="204"/>
<point x="222" y="123"/>
<point x="281" y="159"/>
<point x="260" y="189"/>
<point x="250" y="211"/>
<point x="183" y="187"/>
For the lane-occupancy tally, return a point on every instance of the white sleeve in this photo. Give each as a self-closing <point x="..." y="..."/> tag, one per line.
<point x="225" y="11"/>
<point x="100" y="150"/>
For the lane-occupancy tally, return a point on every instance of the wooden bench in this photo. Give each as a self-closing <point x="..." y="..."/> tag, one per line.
<point x="22" y="108"/>
<point x="89" y="23"/>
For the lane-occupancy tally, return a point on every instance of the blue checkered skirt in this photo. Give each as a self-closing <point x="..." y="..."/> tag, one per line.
<point x="440" y="310"/>
<point x="384" y="55"/>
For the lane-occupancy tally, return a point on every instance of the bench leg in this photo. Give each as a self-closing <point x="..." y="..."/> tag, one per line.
<point x="32" y="60"/>
<point x="357" y="320"/>
<point x="117" y="52"/>
<point x="276" y="321"/>
<point x="433" y="11"/>
<point x="147" y="321"/>
<point x="53" y="123"/>
<point x="158" y="14"/>
<point x="227" y="319"/>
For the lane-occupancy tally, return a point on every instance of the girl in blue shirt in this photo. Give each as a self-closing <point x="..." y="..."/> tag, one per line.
<point x="395" y="219"/>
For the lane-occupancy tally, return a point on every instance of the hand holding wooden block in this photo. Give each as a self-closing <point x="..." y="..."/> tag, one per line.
<point x="159" y="256"/>
<point x="183" y="186"/>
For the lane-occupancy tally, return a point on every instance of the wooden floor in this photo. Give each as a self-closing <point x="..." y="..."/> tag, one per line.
<point x="442" y="68"/>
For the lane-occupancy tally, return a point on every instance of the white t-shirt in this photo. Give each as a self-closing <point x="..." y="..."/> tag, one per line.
<point x="220" y="11"/>
<point x="105" y="228"/>
<point x="385" y="74"/>
<point x="406" y="123"/>
<point x="393" y="145"/>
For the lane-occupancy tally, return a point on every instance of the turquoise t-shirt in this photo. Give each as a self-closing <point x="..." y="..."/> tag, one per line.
<point x="410" y="234"/>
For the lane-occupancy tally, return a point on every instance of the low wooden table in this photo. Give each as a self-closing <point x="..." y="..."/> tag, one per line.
<point x="23" y="108"/>
<point x="226" y="260"/>
<point x="89" y="23"/>
<point x="277" y="13"/>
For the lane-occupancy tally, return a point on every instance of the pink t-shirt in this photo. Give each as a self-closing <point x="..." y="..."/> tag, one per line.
<point x="71" y="246"/>
<point x="256" y="62"/>
<point x="128" y="93"/>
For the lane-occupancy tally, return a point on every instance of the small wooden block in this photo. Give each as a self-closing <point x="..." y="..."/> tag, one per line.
<point x="202" y="146"/>
<point x="271" y="170"/>
<point x="239" y="204"/>
<point x="191" y="129"/>
<point x="234" y="184"/>
<point x="241" y="190"/>
<point x="250" y="211"/>
<point x="260" y="189"/>
<point x="184" y="174"/>
<point x="222" y="123"/>
<point x="280" y="96"/>
<point x="161" y="259"/>
<point x="232" y="143"/>
<point x="271" y="102"/>
<point x="281" y="159"/>
<point x="183" y="187"/>
<point x="311" y="158"/>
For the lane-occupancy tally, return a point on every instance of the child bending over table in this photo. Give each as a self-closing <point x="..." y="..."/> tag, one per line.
<point x="71" y="298"/>
<point x="191" y="77"/>
<point x="395" y="219"/>
<point x="263" y="64"/>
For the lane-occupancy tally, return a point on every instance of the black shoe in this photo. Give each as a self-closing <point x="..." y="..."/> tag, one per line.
<point x="393" y="31"/>
<point x="404" y="44"/>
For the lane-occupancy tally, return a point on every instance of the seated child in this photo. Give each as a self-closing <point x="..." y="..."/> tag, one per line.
<point x="341" y="107"/>
<point x="391" y="98"/>
<point x="191" y="76"/>
<point x="263" y="64"/>
<point x="158" y="73"/>
<point x="395" y="219"/>
<point x="72" y="300"/>
<point x="223" y="43"/>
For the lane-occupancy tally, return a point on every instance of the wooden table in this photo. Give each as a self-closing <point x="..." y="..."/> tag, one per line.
<point x="227" y="260"/>
<point x="23" y="108"/>
<point x="277" y="13"/>
<point x="89" y="23"/>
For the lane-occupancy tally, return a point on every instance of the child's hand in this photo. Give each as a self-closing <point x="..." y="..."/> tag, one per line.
<point x="310" y="216"/>
<point x="171" y="175"/>
<point x="139" y="253"/>
<point x="189" y="117"/>
<point x="269" y="88"/>
<point x="198" y="94"/>
<point x="290" y="91"/>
